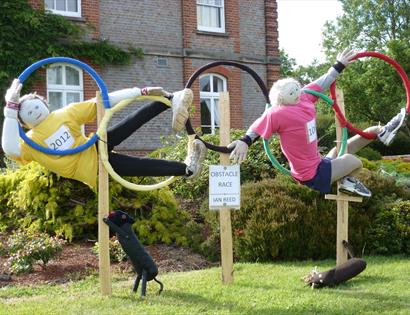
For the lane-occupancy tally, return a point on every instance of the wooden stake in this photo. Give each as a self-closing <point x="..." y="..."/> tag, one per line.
<point x="342" y="199"/>
<point x="342" y="205"/>
<point x="103" y="209"/>
<point x="225" y="213"/>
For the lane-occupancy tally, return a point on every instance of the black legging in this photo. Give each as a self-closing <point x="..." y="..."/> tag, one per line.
<point x="126" y="165"/>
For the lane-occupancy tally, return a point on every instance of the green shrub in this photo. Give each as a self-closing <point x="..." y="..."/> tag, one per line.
<point x="280" y="219"/>
<point x="26" y="249"/>
<point x="370" y="154"/>
<point x="117" y="254"/>
<point x="35" y="199"/>
<point x="390" y="232"/>
<point x="396" y="166"/>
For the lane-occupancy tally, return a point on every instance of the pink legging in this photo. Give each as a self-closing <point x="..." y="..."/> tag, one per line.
<point x="348" y="163"/>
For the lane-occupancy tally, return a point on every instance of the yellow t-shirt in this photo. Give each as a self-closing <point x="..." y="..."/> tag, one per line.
<point x="61" y="130"/>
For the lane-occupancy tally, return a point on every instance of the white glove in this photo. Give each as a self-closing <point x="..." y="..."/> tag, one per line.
<point x="155" y="90"/>
<point x="13" y="93"/>
<point x="240" y="150"/>
<point x="10" y="112"/>
<point x="345" y="56"/>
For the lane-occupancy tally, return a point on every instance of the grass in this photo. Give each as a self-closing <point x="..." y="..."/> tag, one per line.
<point x="383" y="288"/>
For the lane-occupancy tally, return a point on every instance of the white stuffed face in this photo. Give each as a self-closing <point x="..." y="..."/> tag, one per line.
<point x="290" y="93"/>
<point x="285" y="92"/>
<point x="33" y="111"/>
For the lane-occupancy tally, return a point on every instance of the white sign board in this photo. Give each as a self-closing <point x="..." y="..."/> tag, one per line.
<point x="224" y="187"/>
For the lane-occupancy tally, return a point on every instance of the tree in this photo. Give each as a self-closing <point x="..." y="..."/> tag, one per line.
<point x="287" y="64"/>
<point x="28" y="35"/>
<point x="373" y="90"/>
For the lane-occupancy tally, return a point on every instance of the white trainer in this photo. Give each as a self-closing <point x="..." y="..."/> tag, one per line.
<point x="392" y="127"/>
<point x="351" y="185"/>
<point x="181" y="102"/>
<point x="195" y="157"/>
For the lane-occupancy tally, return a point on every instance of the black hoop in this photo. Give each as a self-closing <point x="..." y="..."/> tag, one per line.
<point x="198" y="72"/>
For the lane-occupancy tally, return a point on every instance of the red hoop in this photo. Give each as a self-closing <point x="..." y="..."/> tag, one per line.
<point x="400" y="71"/>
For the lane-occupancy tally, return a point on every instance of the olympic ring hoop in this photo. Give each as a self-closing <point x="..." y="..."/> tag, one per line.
<point x="102" y="148"/>
<point x="403" y="77"/>
<point x="265" y="92"/>
<point x="104" y="93"/>
<point x="202" y="69"/>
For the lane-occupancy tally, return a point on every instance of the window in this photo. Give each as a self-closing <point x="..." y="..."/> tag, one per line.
<point x="210" y="85"/>
<point x="211" y="15"/>
<point x="64" y="7"/>
<point x="64" y="85"/>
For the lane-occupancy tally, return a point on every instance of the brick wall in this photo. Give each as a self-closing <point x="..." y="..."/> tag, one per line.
<point x="272" y="40"/>
<point x="253" y="101"/>
<point x="145" y="72"/>
<point x="168" y="30"/>
<point x="153" y="25"/>
<point x="90" y="11"/>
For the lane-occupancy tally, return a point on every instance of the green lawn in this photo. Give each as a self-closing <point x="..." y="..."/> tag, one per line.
<point x="383" y="288"/>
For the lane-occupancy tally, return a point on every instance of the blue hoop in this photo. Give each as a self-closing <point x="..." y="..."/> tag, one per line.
<point x="104" y="93"/>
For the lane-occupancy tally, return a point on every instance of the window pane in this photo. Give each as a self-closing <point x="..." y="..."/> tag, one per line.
<point x="72" y="5"/>
<point x="199" y="15"/>
<point x="72" y="97"/>
<point x="210" y="2"/>
<point x="213" y="17"/>
<point x="203" y="16"/>
<point x="72" y="76"/>
<point x="216" y="112"/>
<point x="217" y="84"/>
<point x="209" y="17"/>
<point x="204" y="85"/>
<point x="49" y="4"/>
<point x="60" y="5"/>
<point x="206" y="112"/>
<point x="218" y="22"/>
<point x="54" y="75"/>
<point x="55" y="100"/>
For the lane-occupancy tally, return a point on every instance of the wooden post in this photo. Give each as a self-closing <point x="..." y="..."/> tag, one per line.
<point x="103" y="209"/>
<point x="225" y="213"/>
<point x="341" y="198"/>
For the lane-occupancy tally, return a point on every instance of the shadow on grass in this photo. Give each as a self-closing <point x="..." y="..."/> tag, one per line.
<point x="212" y="306"/>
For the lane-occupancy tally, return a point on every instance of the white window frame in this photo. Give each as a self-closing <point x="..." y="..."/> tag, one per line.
<point x="212" y="96"/>
<point x="64" y="88"/>
<point x="65" y="13"/>
<point x="222" y="17"/>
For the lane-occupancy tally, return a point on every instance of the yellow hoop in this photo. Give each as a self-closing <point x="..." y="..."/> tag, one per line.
<point x="102" y="147"/>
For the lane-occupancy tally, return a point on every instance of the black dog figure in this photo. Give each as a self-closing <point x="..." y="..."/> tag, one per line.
<point x="121" y="223"/>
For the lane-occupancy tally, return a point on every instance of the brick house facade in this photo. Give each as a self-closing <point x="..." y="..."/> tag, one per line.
<point x="174" y="48"/>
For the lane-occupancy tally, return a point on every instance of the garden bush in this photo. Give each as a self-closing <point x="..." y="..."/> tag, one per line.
<point x="370" y="154"/>
<point x="24" y="249"/>
<point x="397" y="169"/>
<point x="280" y="219"/>
<point x="390" y="233"/>
<point x="35" y="199"/>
